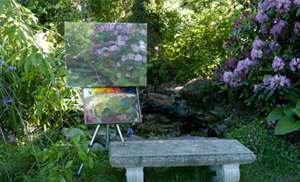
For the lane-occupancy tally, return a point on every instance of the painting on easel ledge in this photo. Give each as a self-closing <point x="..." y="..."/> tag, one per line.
<point x="106" y="54"/>
<point x="111" y="105"/>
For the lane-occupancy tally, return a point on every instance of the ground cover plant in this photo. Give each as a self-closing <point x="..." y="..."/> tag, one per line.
<point x="259" y="67"/>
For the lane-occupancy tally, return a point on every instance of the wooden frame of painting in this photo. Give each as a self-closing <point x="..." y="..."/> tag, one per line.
<point x="111" y="105"/>
<point x="106" y="54"/>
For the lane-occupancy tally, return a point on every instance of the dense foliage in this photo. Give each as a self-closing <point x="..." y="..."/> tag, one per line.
<point x="32" y="73"/>
<point x="186" y="38"/>
<point x="261" y="66"/>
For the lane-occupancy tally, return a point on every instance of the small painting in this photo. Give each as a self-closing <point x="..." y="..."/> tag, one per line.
<point x="106" y="54"/>
<point x="111" y="105"/>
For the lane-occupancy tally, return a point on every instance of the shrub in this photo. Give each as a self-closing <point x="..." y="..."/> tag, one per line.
<point x="32" y="73"/>
<point x="53" y="13"/>
<point x="261" y="65"/>
<point x="185" y="37"/>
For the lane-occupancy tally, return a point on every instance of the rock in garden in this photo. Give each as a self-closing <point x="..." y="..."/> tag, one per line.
<point x="72" y="132"/>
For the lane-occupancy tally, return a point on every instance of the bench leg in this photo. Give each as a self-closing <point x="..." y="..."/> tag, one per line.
<point x="135" y="174"/>
<point x="226" y="173"/>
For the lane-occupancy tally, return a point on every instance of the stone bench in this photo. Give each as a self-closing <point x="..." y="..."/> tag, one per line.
<point x="224" y="156"/>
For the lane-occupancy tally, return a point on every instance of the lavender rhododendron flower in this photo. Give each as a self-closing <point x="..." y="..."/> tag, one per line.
<point x="297" y="2"/>
<point x="263" y="29"/>
<point x="271" y="83"/>
<point x="261" y="17"/>
<point x="258" y="44"/>
<point x="243" y="65"/>
<point x="297" y="28"/>
<point x="228" y="76"/>
<point x="277" y="28"/>
<point x="130" y="56"/>
<point x="135" y="48"/>
<point x="138" y="57"/>
<point x="282" y="5"/>
<point x="143" y="32"/>
<point x="264" y="6"/>
<point x="295" y="63"/>
<point x="127" y="75"/>
<point x="273" y="45"/>
<point x="256" y="53"/>
<point x="277" y="64"/>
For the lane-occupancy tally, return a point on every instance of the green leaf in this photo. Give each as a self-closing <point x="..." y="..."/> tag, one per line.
<point x="276" y="114"/>
<point x="43" y="67"/>
<point x="81" y="153"/>
<point x="286" y="125"/>
<point x="91" y="162"/>
<point x="23" y="57"/>
<point x="296" y="111"/>
<point x="34" y="59"/>
<point x="298" y="103"/>
<point x="1" y="6"/>
<point x="298" y="12"/>
<point x="69" y="164"/>
<point x="27" y="65"/>
<point x="39" y="110"/>
<point x="288" y="110"/>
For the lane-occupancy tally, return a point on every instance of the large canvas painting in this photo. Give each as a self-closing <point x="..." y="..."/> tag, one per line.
<point x="106" y="54"/>
<point x="111" y="105"/>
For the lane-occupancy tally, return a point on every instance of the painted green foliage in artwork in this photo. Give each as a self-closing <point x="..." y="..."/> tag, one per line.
<point x="106" y="54"/>
<point x="111" y="105"/>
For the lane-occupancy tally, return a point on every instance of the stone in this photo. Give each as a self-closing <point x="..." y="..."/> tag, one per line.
<point x="72" y="132"/>
<point x="192" y="138"/>
<point x="97" y="147"/>
<point x="161" y="98"/>
<point x="221" y="129"/>
<point x="101" y="135"/>
<point x="134" y="138"/>
<point x="135" y="174"/>
<point x="178" y="153"/>
<point x="223" y="155"/>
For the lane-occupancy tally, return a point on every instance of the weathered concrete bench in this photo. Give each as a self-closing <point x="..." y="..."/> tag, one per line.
<point x="224" y="156"/>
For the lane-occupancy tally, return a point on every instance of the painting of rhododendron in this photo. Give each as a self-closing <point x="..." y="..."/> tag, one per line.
<point x="106" y="54"/>
<point x="111" y="105"/>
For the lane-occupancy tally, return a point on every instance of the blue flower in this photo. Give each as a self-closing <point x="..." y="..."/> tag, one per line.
<point x="129" y="132"/>
<point x="3" y="63"/>
<point x="11" y="68"/>
<point x="6" y="100"/>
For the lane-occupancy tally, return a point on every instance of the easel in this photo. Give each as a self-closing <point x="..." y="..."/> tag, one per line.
<point x="106" y="143"/>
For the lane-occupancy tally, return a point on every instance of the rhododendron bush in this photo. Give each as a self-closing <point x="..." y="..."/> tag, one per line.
<point x="263" y="55"/>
